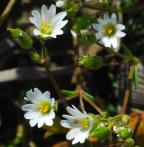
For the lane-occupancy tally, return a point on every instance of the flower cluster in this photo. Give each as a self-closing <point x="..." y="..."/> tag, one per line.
<point x="49" y="24"/>
<point x="41" y="111"/>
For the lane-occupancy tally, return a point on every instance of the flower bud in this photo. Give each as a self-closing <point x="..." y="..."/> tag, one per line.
<point x="124" y="133"/>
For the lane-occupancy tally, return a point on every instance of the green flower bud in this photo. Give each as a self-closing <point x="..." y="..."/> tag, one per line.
<point x="22" y="38"/>
<point x="129" y="142"/>
<point x="125" y="119"/>
<point x="100" y="132"/>
<point x="91" y="62"/>
<point x="35" y="57"/>
<point x="124" y="133"/>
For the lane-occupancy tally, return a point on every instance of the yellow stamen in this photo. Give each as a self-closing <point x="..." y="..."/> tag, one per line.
<point x="44" y="107"/>
<point x="109" y="30"/>
<point x="84" y="123"/>
<point x="46" y="27"/>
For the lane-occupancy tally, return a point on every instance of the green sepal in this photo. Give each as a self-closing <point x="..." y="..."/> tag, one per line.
<point x="23" y="39"/>
<point x="92" y="62"/>
<point x="55" y="107"/>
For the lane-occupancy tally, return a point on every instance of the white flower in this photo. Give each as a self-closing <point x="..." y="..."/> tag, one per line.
<point x="109" y="31"/>
<point x="80" y="124"/>
<point x="48" y="23"/>
<point x="41" y="109"/>
<point x="60" y="3"/>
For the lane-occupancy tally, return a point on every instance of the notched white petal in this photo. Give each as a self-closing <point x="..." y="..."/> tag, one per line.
<point x="44" y="12"/>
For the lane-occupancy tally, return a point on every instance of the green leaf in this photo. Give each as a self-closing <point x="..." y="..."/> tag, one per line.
<point x="128" y="53"/>
<point x="135" y="77"/>
<point x="71" y="8"/>
<point x="92" y="98"/>
<point x="69" y="93"/>
<point x="87" y="37"/>
<point x="82" y="23"/>
<point x="23" y="39"/>
<point x="128" y="3"/>
<point x="100" y="132"/>
<point x="92" y="62"/>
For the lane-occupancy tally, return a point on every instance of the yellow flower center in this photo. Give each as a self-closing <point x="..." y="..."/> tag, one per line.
<point x="46" y="28"/>
<point x="109" y="30"/>
<point x="45" y="107"/>
<point x="84" y="123"/>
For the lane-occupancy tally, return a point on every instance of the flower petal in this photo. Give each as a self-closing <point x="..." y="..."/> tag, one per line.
<point x="51" y="114"/>
<point x="120" y="34"/>
<point x="71" y="134"/>
<point x="33" y="95"/>
<point x="60" y="24"/>
<point x="69" y="117"/>
<point x="114" y="18"/>
<point x="33" y="122"/>
<point x="106" y="17"/>
<point x="36" y="32"/>
<point x="48" y="121"/>
<point x="59" y="17"/>
<point x="46" y="94"/>
<point x="66" y="123"/>
<point x="44" y="11"/>
<point x="28" y="107"/>
<point x="73" y="111"/>
<point x="41" y="122"/>
<point x="31" y="115"/>
<point x="80" y="137"/>
<point x="51" y="13"/>
<point x="114" y="42"/>
<point x="52" y="101"/>
<point x="120" y="27"/>
<point x="37" y="17"/>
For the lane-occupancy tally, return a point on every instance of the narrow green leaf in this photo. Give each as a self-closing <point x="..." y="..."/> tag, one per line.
<point x="92" y="98"/>
<point x="23" y="39"/>
<point x="69" y="93"/>
<point x="127" y="53"/>
<point x="92" y="62"/>
<point x="135" y="77"/>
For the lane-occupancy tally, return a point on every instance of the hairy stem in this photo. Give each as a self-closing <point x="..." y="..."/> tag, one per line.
<point x="97" y="108"/>
<point x="127" y="91"/>
<point x="51" y="77"/>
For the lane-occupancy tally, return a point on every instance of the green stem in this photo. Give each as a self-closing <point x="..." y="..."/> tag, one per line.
<point x="127" y="91"/>
<point x="51" y="77"/>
